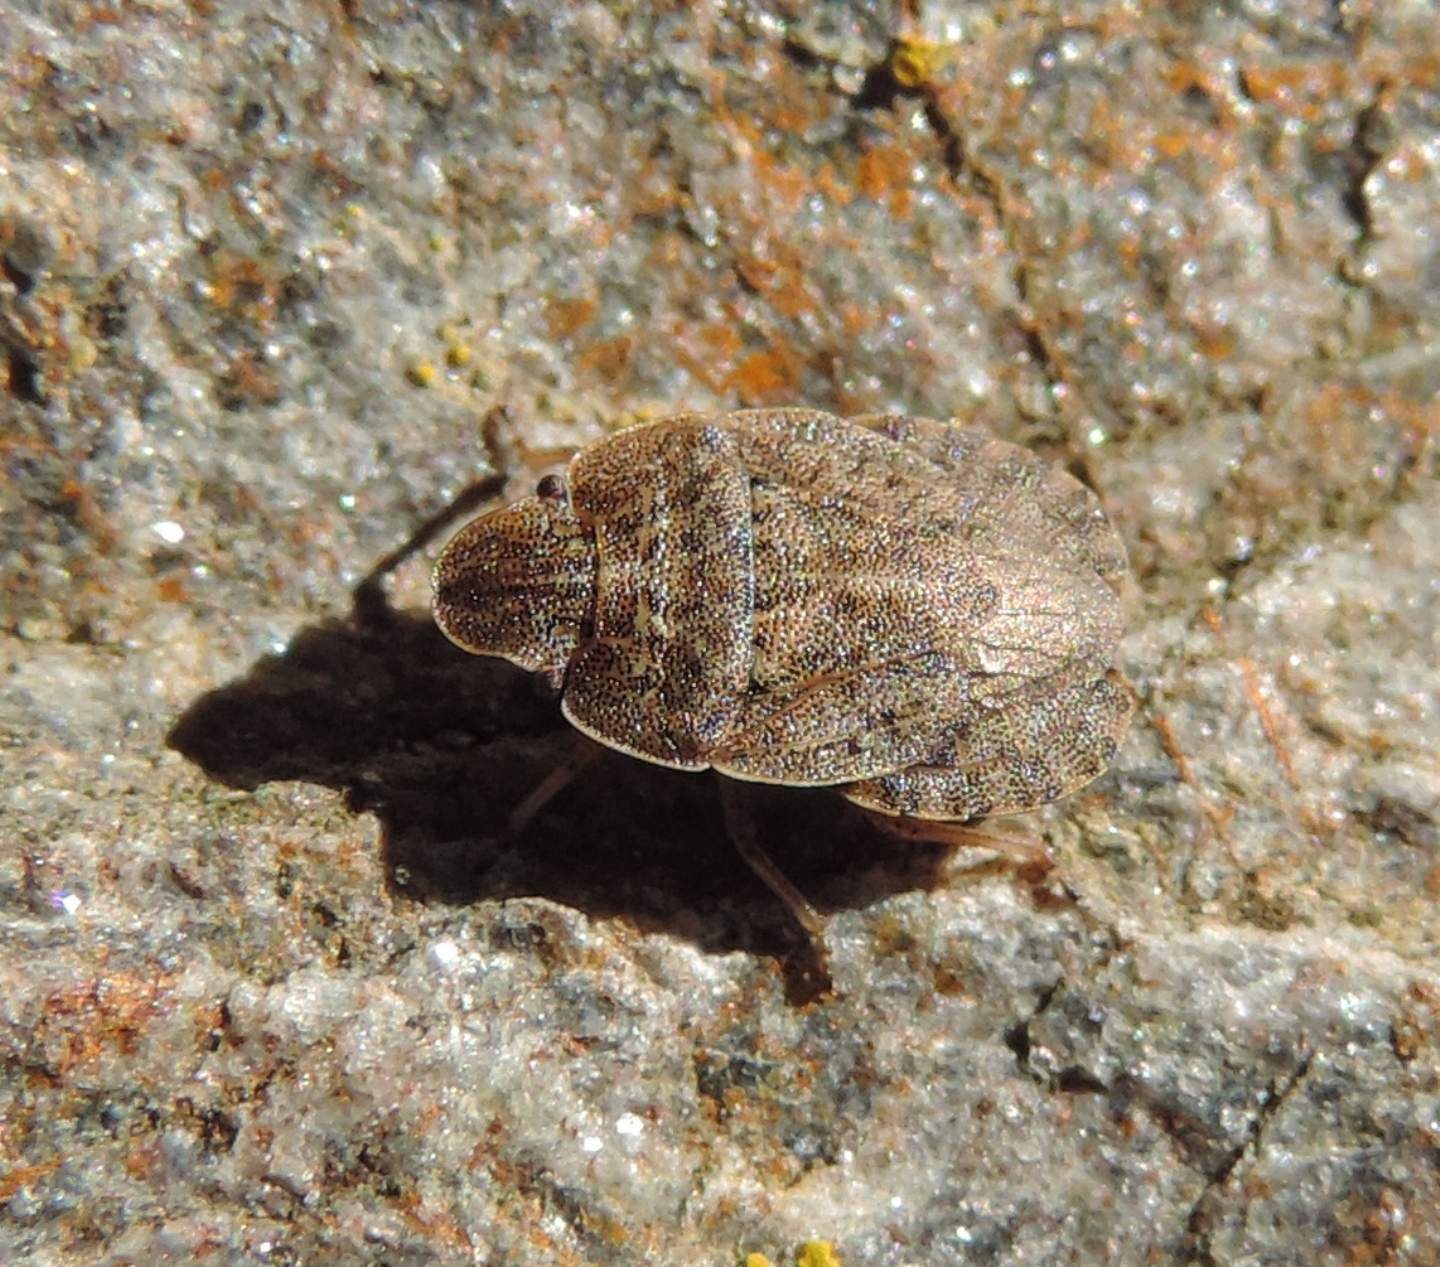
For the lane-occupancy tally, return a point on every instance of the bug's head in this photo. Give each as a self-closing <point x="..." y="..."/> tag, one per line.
<point x="519" y="582"/>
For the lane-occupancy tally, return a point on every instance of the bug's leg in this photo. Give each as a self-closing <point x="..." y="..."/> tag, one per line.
<point x="740" y="822"/>
<point x="1029" y="853"/>
<point x="582" y="755"/>
<point x="1008" y="762"/>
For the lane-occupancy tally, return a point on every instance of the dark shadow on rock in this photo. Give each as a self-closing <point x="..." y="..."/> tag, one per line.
<point x="441" y="745"/>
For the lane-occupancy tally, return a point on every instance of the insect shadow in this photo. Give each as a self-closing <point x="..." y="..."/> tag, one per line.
<point x="441" y="746"/>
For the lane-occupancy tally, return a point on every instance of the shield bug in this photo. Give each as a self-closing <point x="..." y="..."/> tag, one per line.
<point x="912" y="611"/>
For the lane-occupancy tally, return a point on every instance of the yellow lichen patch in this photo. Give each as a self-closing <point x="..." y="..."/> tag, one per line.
<point x="458" y="353"/>
<point x="637" y="414"/>
<point x="817" y="1254"/>
<point x="810" y="1254"/>
<point x="422" y="373"/>
<point x="916" y="62"/>
<point x="82" y="354"/>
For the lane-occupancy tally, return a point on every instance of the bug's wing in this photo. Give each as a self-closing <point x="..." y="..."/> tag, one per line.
<point x="847" y="724"/>
<point x="945" y="474"/>
<point x="957" y="706"/>
<point x="1049" y="740"/>
<point x="664" y="671"/>
<point x="1012" y="491"/>
<point x="903" y="583"/>
<point x="1036" y="525"/>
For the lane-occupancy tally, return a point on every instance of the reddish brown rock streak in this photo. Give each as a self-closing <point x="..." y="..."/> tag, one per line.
<point x="912" y="610"/>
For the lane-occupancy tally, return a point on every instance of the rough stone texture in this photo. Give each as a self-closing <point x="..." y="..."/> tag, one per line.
<point x="275" y="989"/>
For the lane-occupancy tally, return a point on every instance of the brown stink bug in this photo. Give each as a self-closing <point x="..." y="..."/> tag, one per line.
<point x="912" y="611"/>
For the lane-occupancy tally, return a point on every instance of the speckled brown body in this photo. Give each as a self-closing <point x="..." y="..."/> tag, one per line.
<point x="912" y="610"/>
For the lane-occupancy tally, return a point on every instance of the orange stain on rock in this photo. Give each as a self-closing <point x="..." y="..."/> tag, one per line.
<point x="721" y="337"/>
<point x="1303" y="91"/>
<point x="1216" y="345"/>
<point x="564" y="317"/>
<point x="780" y="281"/>
<point x="765" y="377"/>
<point x="609" y="359"/>
<point x="883" y="169"/>
<point x="240" y="283"/>
<point x="788" y="184"/>
<point x="708" y="352"/>
<point x="23" y="1176"/>
<point x="108" y="1012"/>
<point x="828" y="182"/>
<point x="856" y="318"/>
<point x="1172" y="144"/>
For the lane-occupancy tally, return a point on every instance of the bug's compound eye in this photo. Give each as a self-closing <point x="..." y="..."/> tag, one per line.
<point x="551" y="488"/>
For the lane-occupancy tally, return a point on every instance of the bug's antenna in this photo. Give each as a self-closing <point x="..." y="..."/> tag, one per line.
<point x="370" y="603"/>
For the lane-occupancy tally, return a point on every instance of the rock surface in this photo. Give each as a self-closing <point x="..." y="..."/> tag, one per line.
<point x="278" y="282"/>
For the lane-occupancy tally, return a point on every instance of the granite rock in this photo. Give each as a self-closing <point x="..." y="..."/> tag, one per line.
<point x="278" y="284"/>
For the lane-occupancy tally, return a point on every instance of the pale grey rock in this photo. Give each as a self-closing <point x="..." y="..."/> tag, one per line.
<point x="271" y="988"/>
